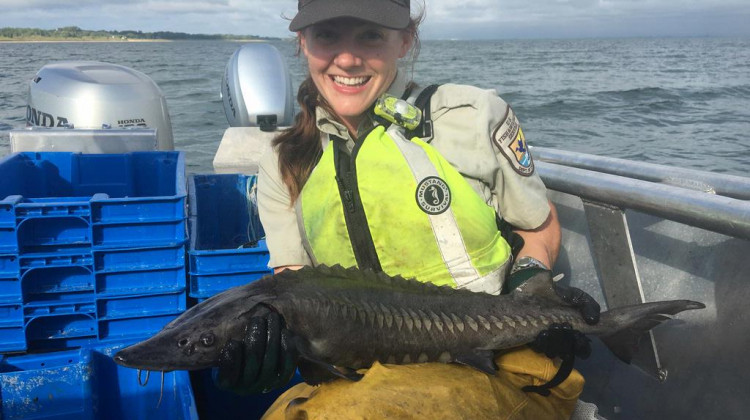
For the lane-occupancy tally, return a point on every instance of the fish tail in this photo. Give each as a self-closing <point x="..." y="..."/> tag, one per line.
<point x="632" y="322"/>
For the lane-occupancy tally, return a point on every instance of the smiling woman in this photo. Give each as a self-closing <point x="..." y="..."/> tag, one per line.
<point x="363" y="179"/>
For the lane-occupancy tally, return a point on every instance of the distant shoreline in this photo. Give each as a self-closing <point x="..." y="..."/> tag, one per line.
<point x="25" y="41"/>
<point x="76" y="34"/>
<point x="118" y="41"/>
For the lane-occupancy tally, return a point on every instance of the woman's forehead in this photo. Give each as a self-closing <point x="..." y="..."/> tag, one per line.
<point x="346" y="23"/>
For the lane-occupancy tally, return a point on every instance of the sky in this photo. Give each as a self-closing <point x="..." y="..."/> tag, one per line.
<point x="444" y="19"/>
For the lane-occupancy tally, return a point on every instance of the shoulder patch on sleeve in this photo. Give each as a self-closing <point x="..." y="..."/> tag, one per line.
<point x="509" y="138"/>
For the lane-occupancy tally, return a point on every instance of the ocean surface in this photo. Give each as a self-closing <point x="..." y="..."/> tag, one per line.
<point x="674" y="101"/>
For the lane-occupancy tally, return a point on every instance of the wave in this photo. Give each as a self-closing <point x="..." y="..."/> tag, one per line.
<point x="638" y="94"/>
<point x="189" y="81"/>
<point x="738" y="92"/>
<point x="659" y="97"/>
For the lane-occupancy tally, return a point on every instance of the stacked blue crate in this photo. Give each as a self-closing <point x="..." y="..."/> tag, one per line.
<point x="226" y="245"/>
<point x="226" y="250"/>
<point x="92" y="249"/>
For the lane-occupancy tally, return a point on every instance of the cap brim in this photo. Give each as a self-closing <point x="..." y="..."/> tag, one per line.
<point x="384" y="13"/>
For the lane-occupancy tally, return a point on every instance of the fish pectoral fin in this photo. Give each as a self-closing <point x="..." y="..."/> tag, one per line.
<point x="539" y="286"/>
<point x="315" y="372"/>
<point x="483" y="360"/>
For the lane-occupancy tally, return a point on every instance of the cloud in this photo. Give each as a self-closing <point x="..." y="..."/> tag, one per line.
<point x="444" y="18"/>
<point x="565" y="18"/>
<point x="255" y="17"/>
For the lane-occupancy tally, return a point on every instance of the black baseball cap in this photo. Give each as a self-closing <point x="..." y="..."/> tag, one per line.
<point x="392" y="14"/>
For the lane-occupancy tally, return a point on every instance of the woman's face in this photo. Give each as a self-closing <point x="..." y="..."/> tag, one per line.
<point x="352" y="63"/>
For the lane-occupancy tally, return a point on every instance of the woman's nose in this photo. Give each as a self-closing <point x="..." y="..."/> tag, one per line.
<point x="348" y="58"/>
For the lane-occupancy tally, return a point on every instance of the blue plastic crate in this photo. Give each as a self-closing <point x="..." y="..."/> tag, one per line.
<point x="59" y="300"/>
<point x="69" y="327"/>
<point x="57" y="284"/>
<point x="52" y="234"/>
<point x="135" y="259"/>
<point x="54" y="201"/>
<point x="87" y="384"/>
<point x="139" y="327"/>
<point x="62" y="327"/>
<point x="228" y="261"/>
<point x="223" y="211"/>
<point x="111" y="181"/>
<point x="207" y="285"/>
<point x="143" y="305"/>
<point x="57" y="259"/>
<point x="226" y="249"/>
<point x="132" y="235"/>
<point x="142" y="281"/>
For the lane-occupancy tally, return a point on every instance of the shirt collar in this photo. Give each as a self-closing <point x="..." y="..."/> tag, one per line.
<point x="398" y="87"/>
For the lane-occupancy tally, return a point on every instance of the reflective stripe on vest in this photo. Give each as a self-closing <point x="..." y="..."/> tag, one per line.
<point x="425" y="220"/>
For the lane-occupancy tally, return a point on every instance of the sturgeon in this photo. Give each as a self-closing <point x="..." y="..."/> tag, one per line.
<point x="350" y="318"/>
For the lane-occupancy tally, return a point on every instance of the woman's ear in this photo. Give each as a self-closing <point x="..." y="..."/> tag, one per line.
<point x="302" y="43"/>
<point x="407" y="38"/>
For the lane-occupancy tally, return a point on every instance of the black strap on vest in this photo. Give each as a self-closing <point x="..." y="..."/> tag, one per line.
<point x="515" y="240"/>
<point x="424" y="129"/>
<point x="354" y="214"/>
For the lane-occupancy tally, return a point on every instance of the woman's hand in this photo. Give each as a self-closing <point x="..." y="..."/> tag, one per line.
<point x="265" y="359"/>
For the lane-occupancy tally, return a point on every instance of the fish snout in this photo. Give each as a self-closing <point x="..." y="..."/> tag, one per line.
<point x="121" y="359"/>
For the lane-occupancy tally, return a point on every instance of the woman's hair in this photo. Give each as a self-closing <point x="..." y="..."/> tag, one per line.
<point x="299" y="146"/>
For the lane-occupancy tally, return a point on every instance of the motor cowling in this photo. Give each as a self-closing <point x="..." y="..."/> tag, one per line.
<point x="95" y="95"/>
<point x="256" y="89"/>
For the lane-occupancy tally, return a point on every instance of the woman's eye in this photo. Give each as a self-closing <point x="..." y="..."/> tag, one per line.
<point x="371" y="36"/>
<point x="325" y="35"/>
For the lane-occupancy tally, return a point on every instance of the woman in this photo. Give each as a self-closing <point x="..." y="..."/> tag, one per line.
<point x="344" y="186"/>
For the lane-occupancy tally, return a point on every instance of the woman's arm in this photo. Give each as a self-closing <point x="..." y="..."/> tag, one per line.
<point x="277" y="270"/>
<point x="542" y="243"/>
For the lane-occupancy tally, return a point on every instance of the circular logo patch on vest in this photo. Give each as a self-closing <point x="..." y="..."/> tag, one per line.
<point x="433" y="195"/>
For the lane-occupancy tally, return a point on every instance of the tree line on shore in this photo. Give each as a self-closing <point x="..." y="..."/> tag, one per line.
<point x="74" y="32"/>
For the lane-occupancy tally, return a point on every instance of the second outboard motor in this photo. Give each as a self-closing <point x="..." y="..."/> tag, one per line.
<point x="257" y="89"/>
<point x="93" y="95"/>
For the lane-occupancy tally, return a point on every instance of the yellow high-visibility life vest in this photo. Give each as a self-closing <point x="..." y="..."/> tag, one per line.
<point x="398" y="206"/>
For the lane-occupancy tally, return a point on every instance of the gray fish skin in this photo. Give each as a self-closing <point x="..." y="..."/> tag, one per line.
<point x="351" y="318"/>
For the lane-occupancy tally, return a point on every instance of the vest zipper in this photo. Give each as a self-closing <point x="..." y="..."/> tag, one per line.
<point x="347" y="197"/>
<point x="354" y="214"/>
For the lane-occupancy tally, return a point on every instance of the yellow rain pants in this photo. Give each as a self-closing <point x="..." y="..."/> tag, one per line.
<point x="437" y="391"/>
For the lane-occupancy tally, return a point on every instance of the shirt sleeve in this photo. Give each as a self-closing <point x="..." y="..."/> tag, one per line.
<point x="278" y="216"/>
<point x="479" y="134"/>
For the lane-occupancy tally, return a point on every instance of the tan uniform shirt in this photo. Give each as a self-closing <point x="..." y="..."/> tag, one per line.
<point x="473" y="130"/>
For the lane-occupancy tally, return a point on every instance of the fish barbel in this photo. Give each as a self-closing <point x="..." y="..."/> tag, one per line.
<point x="350" y="318"/>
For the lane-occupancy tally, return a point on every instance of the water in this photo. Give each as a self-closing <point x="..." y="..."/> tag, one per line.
<point x="676" y="101"/>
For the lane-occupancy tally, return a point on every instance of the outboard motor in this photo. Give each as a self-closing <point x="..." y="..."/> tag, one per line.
<point x="257" y="89"/>
<point x="87" y="94"/>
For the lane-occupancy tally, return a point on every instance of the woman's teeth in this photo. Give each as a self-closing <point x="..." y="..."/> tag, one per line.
<point x="350" y="81"/>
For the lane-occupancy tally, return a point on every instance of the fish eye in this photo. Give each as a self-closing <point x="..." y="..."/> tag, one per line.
<point x="207" y="339"/>
<point x="182" y="343"/>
